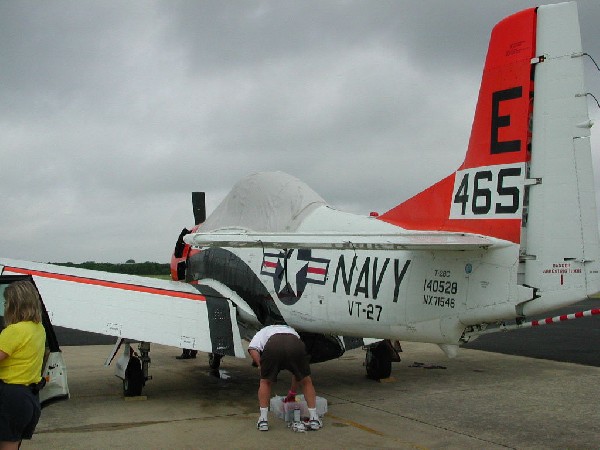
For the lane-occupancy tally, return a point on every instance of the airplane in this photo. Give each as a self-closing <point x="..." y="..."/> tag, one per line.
<point x="512" y="233"/>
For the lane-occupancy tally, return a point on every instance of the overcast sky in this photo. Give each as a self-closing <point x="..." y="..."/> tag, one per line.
<point x="113" y="112"/>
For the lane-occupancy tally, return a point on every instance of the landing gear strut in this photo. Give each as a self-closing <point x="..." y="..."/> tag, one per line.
<point x="379" y="357"/>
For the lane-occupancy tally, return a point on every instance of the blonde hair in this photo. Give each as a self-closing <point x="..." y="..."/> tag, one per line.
<point x="22" y="303"/>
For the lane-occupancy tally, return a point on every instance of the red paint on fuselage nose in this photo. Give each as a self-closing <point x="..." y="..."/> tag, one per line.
<point x="181" y="258"/>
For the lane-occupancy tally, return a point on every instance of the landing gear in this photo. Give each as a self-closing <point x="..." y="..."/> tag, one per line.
<point x="379" y="357"/>
<point x="187" y="353"/>
<point x="134" y="378"/>
<point x="214" y="362"/>
<point x="136" y="373"/>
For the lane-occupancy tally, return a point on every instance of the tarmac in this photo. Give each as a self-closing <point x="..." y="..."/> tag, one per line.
<point x="479" y="400"/>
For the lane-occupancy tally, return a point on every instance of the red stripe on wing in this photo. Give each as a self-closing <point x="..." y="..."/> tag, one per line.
<point x="104" y="283"/>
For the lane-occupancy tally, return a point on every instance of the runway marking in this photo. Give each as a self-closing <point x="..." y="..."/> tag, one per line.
<point x="372" y="430"/>
<point x="356" y="425"/>
<point x="415" y="419"/>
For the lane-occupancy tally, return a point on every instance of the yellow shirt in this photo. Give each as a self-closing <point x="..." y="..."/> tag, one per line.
<point x="24" y="343"/>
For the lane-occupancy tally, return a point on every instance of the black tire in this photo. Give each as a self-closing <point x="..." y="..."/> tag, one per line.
<point x="134" y="378"/>
<point x="378" y="362"/>
<point x="214" y="361"/>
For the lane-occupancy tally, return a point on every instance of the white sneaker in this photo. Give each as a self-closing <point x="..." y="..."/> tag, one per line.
<point x="315" y="424"/>
<point x="262" y="425"/>
<point x="298" y="426"/>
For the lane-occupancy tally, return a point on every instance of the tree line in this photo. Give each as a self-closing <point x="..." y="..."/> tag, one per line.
<point x="129" y="268"/>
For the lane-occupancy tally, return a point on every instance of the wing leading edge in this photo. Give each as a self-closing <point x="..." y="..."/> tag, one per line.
<point x="138" y="308"/>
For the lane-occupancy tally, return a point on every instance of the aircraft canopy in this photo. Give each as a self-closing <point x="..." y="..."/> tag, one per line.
<point x="265" y="202"/>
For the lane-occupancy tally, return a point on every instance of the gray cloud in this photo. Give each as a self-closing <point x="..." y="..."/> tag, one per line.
<point x="113" y="112"/>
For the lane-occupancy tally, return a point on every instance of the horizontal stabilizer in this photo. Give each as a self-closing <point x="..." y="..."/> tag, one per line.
<point x="341" y="241"/>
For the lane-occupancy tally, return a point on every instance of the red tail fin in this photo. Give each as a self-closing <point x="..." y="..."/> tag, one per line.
<point x="485" y="195"/>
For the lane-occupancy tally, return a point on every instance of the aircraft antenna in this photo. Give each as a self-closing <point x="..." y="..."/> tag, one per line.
<point x="593" y="60"/>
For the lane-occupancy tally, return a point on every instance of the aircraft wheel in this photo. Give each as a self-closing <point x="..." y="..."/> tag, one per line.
<point x="378" y="362"/>
<point x="134" y="378"/>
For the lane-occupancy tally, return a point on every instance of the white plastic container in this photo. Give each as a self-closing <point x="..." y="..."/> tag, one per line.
<point x="286" y="410"/>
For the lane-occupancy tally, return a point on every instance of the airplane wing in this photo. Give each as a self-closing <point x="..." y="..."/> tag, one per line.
<point x="133" y="307"/>
<point x="341" y="241"/>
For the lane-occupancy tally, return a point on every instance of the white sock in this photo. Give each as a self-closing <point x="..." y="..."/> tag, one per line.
<point x="264" y="413"/>
<point x="312" y="412"/>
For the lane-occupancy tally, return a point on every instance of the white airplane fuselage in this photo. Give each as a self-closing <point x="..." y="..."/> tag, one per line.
<point x="420" y="295"/>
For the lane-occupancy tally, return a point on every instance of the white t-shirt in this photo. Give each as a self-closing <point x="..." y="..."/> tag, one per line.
<point x="260" y="339"/>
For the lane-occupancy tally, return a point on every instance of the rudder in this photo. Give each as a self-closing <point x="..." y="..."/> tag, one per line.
<point x="561" y="251"/>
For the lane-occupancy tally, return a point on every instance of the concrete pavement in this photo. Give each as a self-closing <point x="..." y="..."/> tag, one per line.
<point x="480" y="400"/>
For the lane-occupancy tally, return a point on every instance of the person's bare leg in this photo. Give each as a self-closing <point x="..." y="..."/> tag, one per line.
<point x="309" y="392"/>
<point x="8" y="445"/>
<point x="315" y="423"/>
<point x="264" y="393"/>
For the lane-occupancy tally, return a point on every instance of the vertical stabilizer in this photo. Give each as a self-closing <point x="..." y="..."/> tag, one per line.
<point x="484" y="195"/>
<point x="527" y="175"/>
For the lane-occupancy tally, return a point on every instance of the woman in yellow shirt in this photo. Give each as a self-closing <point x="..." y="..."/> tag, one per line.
<point x="22" y="345"/>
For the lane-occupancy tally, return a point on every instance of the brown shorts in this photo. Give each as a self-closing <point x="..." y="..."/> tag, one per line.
<point x="284" y="352"/>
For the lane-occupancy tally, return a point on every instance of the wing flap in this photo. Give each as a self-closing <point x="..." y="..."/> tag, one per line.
<point x="138" y="308"/>
<point x="367" y="241"/>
